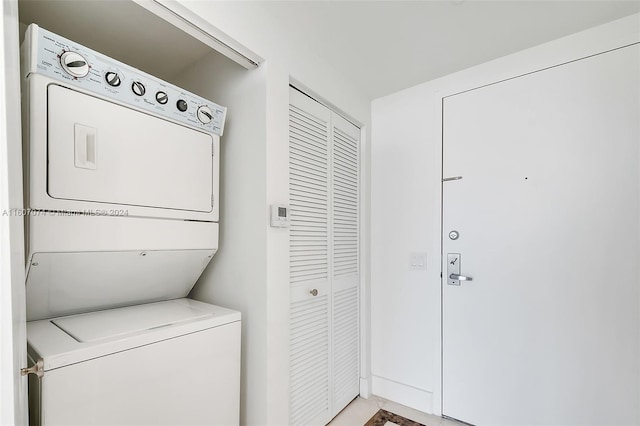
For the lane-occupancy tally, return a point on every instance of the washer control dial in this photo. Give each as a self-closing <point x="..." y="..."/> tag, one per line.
<point x="182" y="105"/>
<point x="74" y="64"/>
<point x="205" y="115"/>
<point x="113" y="79"/>
<point x="138" y="88"/>
<point x="162" y="97"/>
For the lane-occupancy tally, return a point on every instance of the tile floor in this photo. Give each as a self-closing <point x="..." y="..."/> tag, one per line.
<point x="361" y="410"/>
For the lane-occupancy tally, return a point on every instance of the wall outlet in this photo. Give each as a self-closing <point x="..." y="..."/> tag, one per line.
<point x="418" y="261"/>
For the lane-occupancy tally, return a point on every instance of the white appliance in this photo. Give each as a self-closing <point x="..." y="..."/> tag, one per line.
<point x="121" y="186"/>
<point x="166" y="363"/>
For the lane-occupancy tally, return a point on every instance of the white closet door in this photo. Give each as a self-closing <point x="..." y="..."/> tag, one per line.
<point x="324" y="261"/>
<point x="309" y="133"/>
<point x="345" y="209"/>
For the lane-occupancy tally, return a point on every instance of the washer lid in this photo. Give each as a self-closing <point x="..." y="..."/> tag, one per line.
<point x="101" y="325"/>
<point x="69" y="340"/>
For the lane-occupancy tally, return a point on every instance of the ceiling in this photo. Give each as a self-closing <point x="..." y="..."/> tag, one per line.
<point x="386" y="46"/>
<point x="379" y="46"/>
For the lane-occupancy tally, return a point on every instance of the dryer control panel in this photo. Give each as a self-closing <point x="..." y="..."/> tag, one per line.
<point x="64" y="60"/>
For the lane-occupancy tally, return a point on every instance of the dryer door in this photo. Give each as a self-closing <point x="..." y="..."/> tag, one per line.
<point x="102" y="152"/>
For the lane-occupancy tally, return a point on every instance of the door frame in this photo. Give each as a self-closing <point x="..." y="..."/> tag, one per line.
<point x="13" y="335"/>
<point x="607" y="37"/>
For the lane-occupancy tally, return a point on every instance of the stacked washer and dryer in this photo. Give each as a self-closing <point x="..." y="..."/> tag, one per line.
<point x="121" y="186"/>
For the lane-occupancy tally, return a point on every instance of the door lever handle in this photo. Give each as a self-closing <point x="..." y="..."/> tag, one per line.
<point x="460" y="277"/>
<point x="453" y="270"/>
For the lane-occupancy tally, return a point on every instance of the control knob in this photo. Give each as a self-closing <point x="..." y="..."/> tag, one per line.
<point x="182" y="105"/>
<point x="112" y="79"/>
<point x="205" y="115"/>
<point x="138" y="88"/>
<point x="74" y="64"/>
<point x="162" y="98"/>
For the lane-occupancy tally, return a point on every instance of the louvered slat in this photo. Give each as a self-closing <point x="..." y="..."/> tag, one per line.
<point x="345" y="206"/>
<point x="345" y="340"/>
<point x="309" y="364"/>
<point x="308" y="195"/>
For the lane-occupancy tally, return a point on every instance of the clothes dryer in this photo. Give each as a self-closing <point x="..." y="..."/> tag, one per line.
<point x="121" y="181"/>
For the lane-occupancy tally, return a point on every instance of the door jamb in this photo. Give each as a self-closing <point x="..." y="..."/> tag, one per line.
<point x="13" y="338"/>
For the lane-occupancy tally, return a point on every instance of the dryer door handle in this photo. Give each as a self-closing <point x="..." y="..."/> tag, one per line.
<point x="86" y="144"/>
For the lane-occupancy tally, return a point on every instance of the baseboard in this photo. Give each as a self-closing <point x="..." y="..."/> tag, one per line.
<point x="418" y="399"/>
<point x="365" y="388"/>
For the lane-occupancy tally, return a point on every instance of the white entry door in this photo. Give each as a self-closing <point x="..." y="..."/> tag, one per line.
<point x="546" y="215"/>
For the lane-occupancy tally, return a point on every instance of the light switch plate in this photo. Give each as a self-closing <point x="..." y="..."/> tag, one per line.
<point x="418" y="261"/>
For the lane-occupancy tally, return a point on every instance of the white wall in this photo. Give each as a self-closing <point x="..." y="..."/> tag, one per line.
<point x="253" y="274"/>
<point x="405" y="205"/>
<point x="236" y="276"/>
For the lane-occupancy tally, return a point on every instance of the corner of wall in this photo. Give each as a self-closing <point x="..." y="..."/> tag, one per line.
<point x="277" y="245"/>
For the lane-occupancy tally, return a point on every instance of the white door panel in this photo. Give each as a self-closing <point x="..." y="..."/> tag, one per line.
<point x="309" y="260"/>
<point x="324" y="261"/>
<point x="548" y="215"/>
<point x="102" y="152"/>
<point x="345" y="263"/>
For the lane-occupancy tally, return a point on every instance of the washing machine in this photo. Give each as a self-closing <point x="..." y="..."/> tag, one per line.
<point x="175" y="362"/>
<point x="121" y="190"/>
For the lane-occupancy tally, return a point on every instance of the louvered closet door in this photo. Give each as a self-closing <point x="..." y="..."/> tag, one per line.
<point x="309" y="133"/>
<point x="345" y="196"/>
<point x="324" y="261"/>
